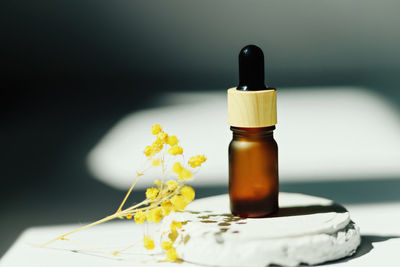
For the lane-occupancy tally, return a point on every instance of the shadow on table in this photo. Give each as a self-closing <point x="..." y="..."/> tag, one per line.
<point x="308" y="210"/>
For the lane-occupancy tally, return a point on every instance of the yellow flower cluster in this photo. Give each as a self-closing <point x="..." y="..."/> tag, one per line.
<point x="152" y="193"/>
<point x="172" y="195"/>
<point x="175" y="150"/>
<point x="172" y="140"/>
<point x="140" y="217"/>
<point x="154" y="215"/>
<point x="188" y="193"/>
<point x="174" y="198"/>
<point x="171" y="254"/>
<point x="162" y="139"/>
<point x="148" y="243"/>
<point x="156" y="128"/>
<point x="182" y="172"/>
<point x="165" y="245"/>
<point x="175" y="226"/>
<point x="170" y="251"/>
<point x="161" y="200"/>
<point x="179" y="202"/>
<point x="196" y="161"/>
<point x="172" y="185"/>
<point x="167" y="207"/>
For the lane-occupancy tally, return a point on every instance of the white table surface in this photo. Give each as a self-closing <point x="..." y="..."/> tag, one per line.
<point x="379" y="224"/>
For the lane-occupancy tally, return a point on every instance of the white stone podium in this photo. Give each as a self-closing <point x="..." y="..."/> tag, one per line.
<point x="309" y="230"/>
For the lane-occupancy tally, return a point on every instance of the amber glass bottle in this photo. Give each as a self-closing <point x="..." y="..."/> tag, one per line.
<point x="253" y="152"/>
<point x="253" y="172"/>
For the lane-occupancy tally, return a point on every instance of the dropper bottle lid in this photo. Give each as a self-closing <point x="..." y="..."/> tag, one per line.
<point x="251" y="69"/>
<point x="251" y="103"/>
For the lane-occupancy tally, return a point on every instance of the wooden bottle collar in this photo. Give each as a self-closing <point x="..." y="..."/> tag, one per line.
<point x="251" y="108"/>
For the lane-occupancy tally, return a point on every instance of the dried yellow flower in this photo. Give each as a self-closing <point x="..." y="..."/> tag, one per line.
<point x="178" y="202"/>
<point x="175" y="225"/>
<point x="171" y="254"/>
<point x="185" y="174"/>
<point x="140" y="217"/>
<point x="148" y="151"/>
<point x="157" y="214"/>
<point x="129" y="216"/>
<point x="187" y="193"/>
<point x="157" y="146"/>
<point x="172" y="185"/>
<point x="182" y="172"/>
<point x="157" y="182"/>
<point x="177" y="167"/>
<point x="172" y="140"/>
<point x="165" y="245"/>
<point x="148" y="243"/>
<point x="156" y="162"/>
<point x="155" y="129"/>
<point x="175" y="150"/>
<point x="166" y="207"/>
<point x="196" y="161"/>
<point x="151" y="193"/>
<point x="154" y="215"/>
<point x="162" y="137"/>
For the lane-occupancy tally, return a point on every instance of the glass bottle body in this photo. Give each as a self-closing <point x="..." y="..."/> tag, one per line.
<point x="253" y="172"/>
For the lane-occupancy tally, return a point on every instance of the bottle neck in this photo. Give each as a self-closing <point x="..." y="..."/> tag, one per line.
<point x="258" y="133"/>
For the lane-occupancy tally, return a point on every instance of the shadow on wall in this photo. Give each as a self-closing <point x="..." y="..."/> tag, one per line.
<point x="116" y="43"/>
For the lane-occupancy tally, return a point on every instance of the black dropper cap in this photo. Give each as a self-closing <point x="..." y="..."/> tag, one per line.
<point x="251" y="69"/>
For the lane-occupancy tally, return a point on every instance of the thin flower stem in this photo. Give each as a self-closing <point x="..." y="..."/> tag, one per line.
<point x="163" y="171"/>
<point x="106" y="219"/>
<point x="144" y="202"/>
<point x="113" y="216"/>
<point x="125" y="248"/>
<point x="129" y="192"/>
<point x="131" y="210"/>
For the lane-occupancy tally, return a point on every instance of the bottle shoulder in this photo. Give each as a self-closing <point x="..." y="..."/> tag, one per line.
<point x="245" y="143"/>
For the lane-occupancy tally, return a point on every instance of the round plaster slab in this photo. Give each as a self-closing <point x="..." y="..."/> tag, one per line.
<point x="307" y="229"/>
